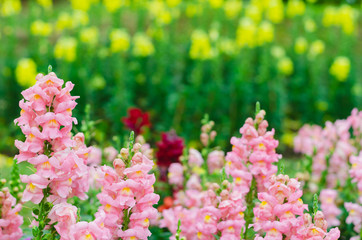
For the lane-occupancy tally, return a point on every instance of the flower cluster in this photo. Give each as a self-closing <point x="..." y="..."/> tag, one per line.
<point x="60" y="160"/>
<point x="253" y="155"/>
<point x="330" y="148"/>
<point x="204" y="214"/>
<point x="127" y="195"/>
<point x="356" y="172"/>
<point x="329" y="207"/>
<point x="280" y="213"/>
<point x="10" y="221"/>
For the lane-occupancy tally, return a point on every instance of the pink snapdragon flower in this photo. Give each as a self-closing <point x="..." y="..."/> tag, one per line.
<point x="66" y="216"/>
<point x="10" y="221"/>
<point x="175" y="174"/>
<point x="280" y="213"/>
<point x="354" y="215"/>
<point x="215" y="160"/>
<point x="127" y="193"/>
<point x="195" y="158"/>
<point x="257" y="147"/>
<point x="356" y="172"/>
<point x="328" y="205"/>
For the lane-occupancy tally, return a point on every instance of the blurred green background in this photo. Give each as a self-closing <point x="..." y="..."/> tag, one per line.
<point x="178" y="60"/>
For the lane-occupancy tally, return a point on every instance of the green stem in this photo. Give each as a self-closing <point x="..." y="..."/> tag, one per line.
<point x="249" y="214"/>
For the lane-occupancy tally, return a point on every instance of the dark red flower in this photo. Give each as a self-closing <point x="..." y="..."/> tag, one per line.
<point x="136" y="120"/>
<point x="170" y="149"/>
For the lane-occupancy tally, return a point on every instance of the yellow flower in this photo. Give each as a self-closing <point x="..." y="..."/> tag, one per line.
<point x="316" y="48"/>
<point x="275" y="11"/>
<point x="10" y="7"/>
<point x="254" y="12"/>
<point x="159" y="12"/>
<point x="309" y="25"/>
<point x="285" y="66"/>
<point x="288" y="138"/>
<point x="300" y="45"/>
<point x="277" y="52"/>
<point x="80" y="18"/>
<point x="40" y="28"/>
<point x="25" y="72"/>
<point x="193" y="10"/>
<point x="246" y="33"/>
<point x="45" y="3"/>
<point x="173" y="3"/>
<point x="265" y="33"/>
<point x="89" y="35"/>
<point x="227" y="46"/>
<point x="142" y="45"/>
<point x="340" y="68"/>
<point x="232" y="8"/>
<point x="83" y="5"/>
<point x="330" y="16"/>
<point x="200" y="46"/>
<point x="120" y="40"/>
<point x="346" y="17"/>
<point x="216" y="3"/>
<point x="65" y="49"/>
<point x="113" y="5"/>
<point x="295" y="8"/>
<point x="64" y="21"/>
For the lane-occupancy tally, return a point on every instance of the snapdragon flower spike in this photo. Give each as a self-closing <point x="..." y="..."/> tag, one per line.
<point x="328" y="205"/>
<point x="127" y="195"/>
<point x="60" y="160"/>
<point x="10" y="221"/>
<point x="356" y="172"/>
<point x="252" y="155"/>
<point x="280" y="214"/>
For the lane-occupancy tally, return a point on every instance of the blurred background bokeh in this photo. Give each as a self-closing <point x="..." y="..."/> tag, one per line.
<point x="178" y="60"/>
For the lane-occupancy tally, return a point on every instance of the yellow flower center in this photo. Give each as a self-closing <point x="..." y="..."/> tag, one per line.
<point x="53" y="123"/>
<point x="31" y="187"/>
<point x="207" y="218"/>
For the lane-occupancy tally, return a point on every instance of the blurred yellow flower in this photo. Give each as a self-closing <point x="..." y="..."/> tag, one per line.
<point x="285" y="66"/>
<point x="227" y="46"/>
<point x="316" y="48"/>
<point x="65" y="49"/>
<point x="80" y="18"/>
<point x="330" y="16"/>
<point x="275" y="11"/>
<point x="300" y="45"/>
<point x="200" y="46"/>
<point x="322" y="105"/>
<point x="193" y="10"/>
<point x="10" y="7"/>
<point x="295" y="8"/>
<point x="83" y="5"/>
<point x="340" y="68"/>
<point x="64" y="21"/>
<point x="288" y="138"/>
<point x="113" y="5"/>
<point x="216" y="3"/>
<point x="142" y="45"/>
<point x="120" y="40"/>
<point x="159" y="12"/>
<point x="277" y="52"/>
<point x="45" y="3"/>
<point x="246" y="33"/>
<point x="347" y="16"/>
<point x="89" y="35"/>
<point x="309" y="25"/>
<point x="173" y="3"/>
<point x="40" y="28"/>
<point x="265" y="33"/>
<point x="254" y="12"/>
<point x="232" y="8"/>
<point x="26" y="72"/>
